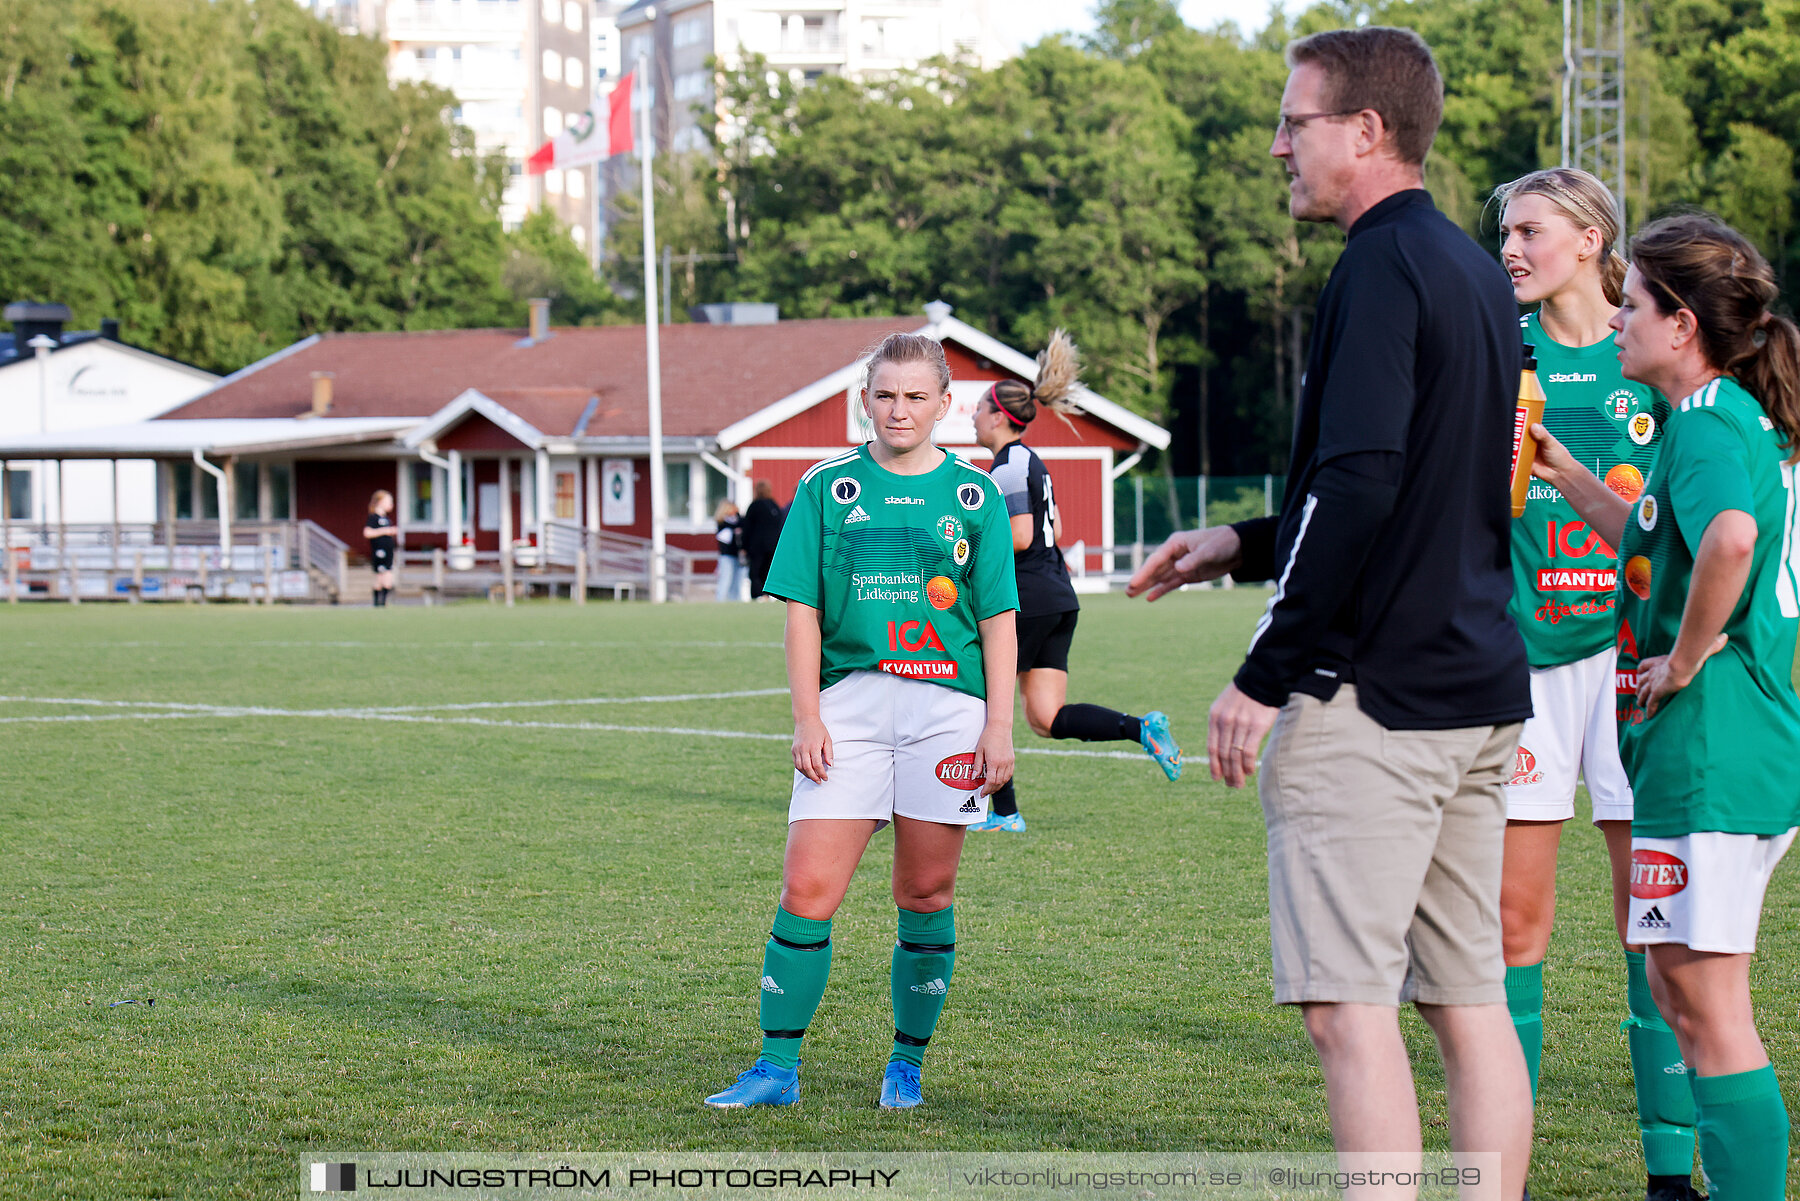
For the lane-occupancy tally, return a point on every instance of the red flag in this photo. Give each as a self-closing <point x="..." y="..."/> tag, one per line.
<point x="588" y="140"/>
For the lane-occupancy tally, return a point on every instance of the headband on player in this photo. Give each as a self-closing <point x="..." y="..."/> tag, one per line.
<point x="994" y="395"/>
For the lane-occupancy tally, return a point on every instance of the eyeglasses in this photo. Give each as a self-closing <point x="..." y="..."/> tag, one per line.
<point x="1289" y="122"/>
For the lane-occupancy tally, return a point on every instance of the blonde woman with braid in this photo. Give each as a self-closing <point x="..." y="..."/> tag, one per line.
<point x="1560" y="239"/>
<point x="1047" y="605"/>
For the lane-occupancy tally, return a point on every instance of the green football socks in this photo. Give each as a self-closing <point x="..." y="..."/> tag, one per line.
<point x="923" y="959"/>
<point x="1665" y="1100"/>
<point x="796" y="964"/>
<point x="1525" y="1001"/>
<point x="1743" y="1135"/>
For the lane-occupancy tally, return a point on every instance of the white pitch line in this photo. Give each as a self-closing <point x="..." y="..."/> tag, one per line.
<point x="586" y="700"/>
<point x="200" y="711"/>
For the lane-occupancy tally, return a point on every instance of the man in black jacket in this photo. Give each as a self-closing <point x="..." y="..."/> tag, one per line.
<point x="1385" y="665"/>
<point x="761" y="531"/>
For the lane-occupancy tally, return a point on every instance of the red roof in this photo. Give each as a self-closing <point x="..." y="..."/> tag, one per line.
<point x="712" y="375"/>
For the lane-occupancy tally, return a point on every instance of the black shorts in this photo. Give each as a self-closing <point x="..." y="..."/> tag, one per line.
<point x="381" y="560"/>
<point x="1044" y="641"/>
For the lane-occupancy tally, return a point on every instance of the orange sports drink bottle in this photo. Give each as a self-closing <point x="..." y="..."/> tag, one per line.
<point x="1529" y="413"/>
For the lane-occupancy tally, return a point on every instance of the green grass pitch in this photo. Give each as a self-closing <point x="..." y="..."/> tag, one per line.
<point x="515" y="927"/>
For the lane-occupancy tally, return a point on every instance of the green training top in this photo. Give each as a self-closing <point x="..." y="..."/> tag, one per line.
<point x="900" y="567"/>
<point x="1720" y="754"/>
<point x="1563" y="572"/>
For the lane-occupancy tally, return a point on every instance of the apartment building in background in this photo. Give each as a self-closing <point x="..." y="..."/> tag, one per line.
<point x="801" y="39"/>
<point x="521" y="71"/>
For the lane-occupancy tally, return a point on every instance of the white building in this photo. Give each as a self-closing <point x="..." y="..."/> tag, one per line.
<point x="86" y="380"/>
<point x="802" y="39"/>
<point x="520" y="71"/>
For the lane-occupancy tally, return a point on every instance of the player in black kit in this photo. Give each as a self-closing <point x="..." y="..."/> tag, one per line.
<point x="1047" y="604"/>
<point x="379" y="530"/>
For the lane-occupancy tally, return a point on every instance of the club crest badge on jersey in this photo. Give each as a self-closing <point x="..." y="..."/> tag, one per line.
<point x="961" y="553"/>
<point x="949" y="528"/>
<point x="1642" y="428"/>
<point x="969" y="496"/>
<point x="844" y="489"/>
<point x="1647" y="514"/>
<point x="1621" y="403"/>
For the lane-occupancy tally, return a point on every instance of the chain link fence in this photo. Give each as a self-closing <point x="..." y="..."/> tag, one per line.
<point x="1148" y="508"/>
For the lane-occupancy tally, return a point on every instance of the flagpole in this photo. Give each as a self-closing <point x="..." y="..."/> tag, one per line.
<point x="659" y="499"/>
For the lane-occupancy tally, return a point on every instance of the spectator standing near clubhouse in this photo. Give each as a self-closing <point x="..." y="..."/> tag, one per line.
<point x="761" y="534"/>
<point x="1709" y="606"/>
<point x="378" y="528"/>
<point x="729" y="535"/>
<point x="1386" y="651"/>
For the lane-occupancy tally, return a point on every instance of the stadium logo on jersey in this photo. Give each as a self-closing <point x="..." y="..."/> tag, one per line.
<point x="1656" y="874"/>
<point x="934" y="988"/>
<point x="940" y="590"/>
<point x="1576" y="579"/>
<point x="913" y="637"/>
<point x="1642" y="429"/>
<point x="1525" y="769"/>
<point x="949" y="528"/>
<point x="1621" y="403"/>
<point x="1653" y="919"/>
<point x="1637" y="576"/>
<point x="844" y="489"/>
<point x="906" y="500"/>
<point x="969" y="496"/>
<point x="961" y="554"/>
<point x="857" y="514"/>
<point x="1574" y="377"/>
<point x="958" y="772"/>
<point x="1626" y="480"/>
<point x="1647" y="514"/>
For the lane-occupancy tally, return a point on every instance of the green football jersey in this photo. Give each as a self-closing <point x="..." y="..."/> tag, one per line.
<point x="1563" y="572"/>
<point x="1721" y="753"/>
<point x="900" y="567"/>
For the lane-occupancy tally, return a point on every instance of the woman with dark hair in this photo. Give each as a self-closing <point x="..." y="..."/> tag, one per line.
<point x="760" y="534"/>
<point x="1047" y="606"/>
<point x="378" y="528"/>
<point x="900" y="599"/>
<point x="1560" y="242"/>
<point x="1709" y="605"/>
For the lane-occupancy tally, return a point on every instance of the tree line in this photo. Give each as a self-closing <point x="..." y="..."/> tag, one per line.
<point x="228" y="176"/>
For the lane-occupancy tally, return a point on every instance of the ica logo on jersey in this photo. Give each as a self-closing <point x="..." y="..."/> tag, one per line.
<point x="1573" y="540"/>
<point x="914" y="637"/>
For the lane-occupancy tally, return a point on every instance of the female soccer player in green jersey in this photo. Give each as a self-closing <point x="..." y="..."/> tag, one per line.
<point x="1559" y="233"/>
<point x="896" y="565"/>
<point x="1709" y="604"/>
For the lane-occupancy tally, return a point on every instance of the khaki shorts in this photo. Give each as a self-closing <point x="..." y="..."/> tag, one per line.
<point x="1384" y="857"/>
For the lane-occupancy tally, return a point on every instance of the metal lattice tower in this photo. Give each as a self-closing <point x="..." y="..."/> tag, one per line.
<point x="1593" y="111"/>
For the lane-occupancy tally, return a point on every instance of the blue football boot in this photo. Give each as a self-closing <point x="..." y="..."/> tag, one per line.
<point x="763" y="1084"/>
<point x="1159" y="744"/>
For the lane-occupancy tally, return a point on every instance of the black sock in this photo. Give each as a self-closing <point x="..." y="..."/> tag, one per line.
<point x="1005" y="802"/>
<point x="1095" y="723"/>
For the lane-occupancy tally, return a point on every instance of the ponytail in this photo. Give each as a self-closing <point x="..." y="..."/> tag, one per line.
<point x="1612" y="277"/>
<point x="1696" y="262"/>
<point x="1771" y="373"/>
<point x="1058" y="375"/>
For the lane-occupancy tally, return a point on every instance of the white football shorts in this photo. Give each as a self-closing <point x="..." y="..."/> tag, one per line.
<point x="1703" y="891"/>
<point x="1572" y="735"/>
<point x="898" y="746"/>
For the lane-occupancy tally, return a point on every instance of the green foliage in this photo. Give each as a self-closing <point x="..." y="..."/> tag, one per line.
<point x="227" y="177"/>
<point x="542" y="260"/>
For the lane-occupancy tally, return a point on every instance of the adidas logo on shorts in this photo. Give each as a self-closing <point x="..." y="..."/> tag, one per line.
<point x="1653" y="919"/>
<point x="769" y="985"/>
<point x="857" y="514"/>
<point x="936" y="988"/>
<point x="971" y="805"/>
